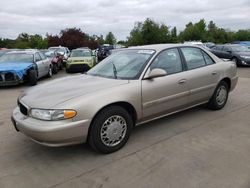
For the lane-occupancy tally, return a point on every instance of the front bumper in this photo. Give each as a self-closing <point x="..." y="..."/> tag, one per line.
<point x="245" y="62"/>
<point x="9" y="79"/>
<point x="10" y="83"/>
<point x="51" y="133"/>
<point x="78" y="67"/>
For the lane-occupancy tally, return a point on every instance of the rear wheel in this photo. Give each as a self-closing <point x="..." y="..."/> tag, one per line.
<point x="55" y="69"/>
<point x="110" y="129"/>
<point x="32" y="77"/>
<point x="220" y="96"/>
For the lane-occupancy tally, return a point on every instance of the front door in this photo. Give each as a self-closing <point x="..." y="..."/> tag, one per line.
<point x="165" y="94"/>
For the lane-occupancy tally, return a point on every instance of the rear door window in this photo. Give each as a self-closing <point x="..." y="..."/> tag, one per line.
<point x="194" y="57"/>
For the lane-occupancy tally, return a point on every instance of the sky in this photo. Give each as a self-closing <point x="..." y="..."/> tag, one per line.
<point x="97" y="17"/>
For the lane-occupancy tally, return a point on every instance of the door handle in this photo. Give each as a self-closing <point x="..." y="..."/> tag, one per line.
<point x="182" y="81"/>
<point x="214" y="73"/>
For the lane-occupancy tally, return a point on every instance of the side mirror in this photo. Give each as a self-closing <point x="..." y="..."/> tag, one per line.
<point x="155" y="73"/>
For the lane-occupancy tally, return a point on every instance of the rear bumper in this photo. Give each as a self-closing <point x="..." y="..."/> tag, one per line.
<point x="78" y="67"/>
<point x="234" y="82"/>
<point x="51" y="133"/>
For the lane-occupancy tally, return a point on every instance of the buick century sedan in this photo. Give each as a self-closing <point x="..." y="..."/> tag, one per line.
<point x="126" y="89"/>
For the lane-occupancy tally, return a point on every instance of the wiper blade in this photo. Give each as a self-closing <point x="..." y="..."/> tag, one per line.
<point x="114" y="70"/>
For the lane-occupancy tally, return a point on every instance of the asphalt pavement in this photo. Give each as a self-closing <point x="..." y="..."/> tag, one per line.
<point x="197" y="148"/>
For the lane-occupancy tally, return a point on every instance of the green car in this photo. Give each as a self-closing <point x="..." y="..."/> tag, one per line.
<point x="80" y="60"/>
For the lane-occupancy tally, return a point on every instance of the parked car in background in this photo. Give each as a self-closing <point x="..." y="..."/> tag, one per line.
<point x="242" y="43"/>
<point x="209" y="44"/>
<point x="80" y="60"/>
<point x="20" y="66"/>
<point x="129" y="88"/>
<point x="104" y="51"/>
<point x="55" y="59"/>
<point x="196" y="43"/>
<point x="63" y="51"/>
<point x="237" y="53"/>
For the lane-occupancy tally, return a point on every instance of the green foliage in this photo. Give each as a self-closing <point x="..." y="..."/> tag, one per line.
<point x="110" y="38"/>
<point x="194" y="32"/>
<point x="149" y="32"/>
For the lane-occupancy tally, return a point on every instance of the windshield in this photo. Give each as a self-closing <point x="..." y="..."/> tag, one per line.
<point x="80" y="53"/>
<point x="240" y="49"/>
<point x="127" y="64"/>
<point x="18" y="57"/>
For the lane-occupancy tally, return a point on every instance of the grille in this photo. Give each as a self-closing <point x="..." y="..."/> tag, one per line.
<point x="9" y="77"/>
<point x="23" y="109"/>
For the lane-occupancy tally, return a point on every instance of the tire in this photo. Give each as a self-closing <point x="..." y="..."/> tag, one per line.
<point x="50" y="73"/>
<point x="112" y="121"/>
<point x="60" y="66"/>
<point x="220" y="96"/>
<point x="32" y="77"/>
<point x="55" y="69"/>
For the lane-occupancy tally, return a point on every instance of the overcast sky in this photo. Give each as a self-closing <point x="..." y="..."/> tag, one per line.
<point x="101" y="16"/>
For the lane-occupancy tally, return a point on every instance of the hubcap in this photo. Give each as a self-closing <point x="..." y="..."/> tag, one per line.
<point x="113" y="130"/>
<point x="221" y="95"/>
<point x="50" y="71"/>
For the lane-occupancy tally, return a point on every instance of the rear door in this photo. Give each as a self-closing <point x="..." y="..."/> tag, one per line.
<point x="46" y="62"/>
<point x="202" y="74"/>
<point x="165" y="94"/>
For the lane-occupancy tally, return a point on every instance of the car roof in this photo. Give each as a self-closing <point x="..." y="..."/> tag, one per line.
<point x="160" y="47"/>
<point x="29" y="52"/>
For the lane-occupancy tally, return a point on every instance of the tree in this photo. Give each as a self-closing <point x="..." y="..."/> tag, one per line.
<point x="195" y="31"/>
<point x="149" y="32"/>
<point x="110" y="38"/>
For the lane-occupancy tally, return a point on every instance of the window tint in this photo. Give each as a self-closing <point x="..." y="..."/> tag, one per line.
<point x="207" y="58"/>
<point x="169" y="60"/>
<point x="37" y="57"/>
<point x="193" y="57"/>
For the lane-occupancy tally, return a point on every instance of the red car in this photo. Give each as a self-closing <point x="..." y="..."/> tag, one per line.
<point x="56" y="60"/>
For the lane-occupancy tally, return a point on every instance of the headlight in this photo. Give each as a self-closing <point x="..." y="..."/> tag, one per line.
<point x="52" y="115"/>
<point x="245" y="57"/>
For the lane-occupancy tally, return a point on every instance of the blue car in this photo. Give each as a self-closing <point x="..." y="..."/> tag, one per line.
<point x="242" y="43"/>
<point x="23" y="66"/>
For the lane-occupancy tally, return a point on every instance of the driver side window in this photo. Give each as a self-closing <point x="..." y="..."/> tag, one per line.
<point x="168" y="60"/>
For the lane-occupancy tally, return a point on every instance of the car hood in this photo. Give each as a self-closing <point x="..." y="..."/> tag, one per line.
<point x="63" y="89"/>
<point x="17" y="68"/>
<point x="244" y="53"/>
<point x="79" y="58"/>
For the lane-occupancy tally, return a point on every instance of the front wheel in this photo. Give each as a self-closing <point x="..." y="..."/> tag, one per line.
<point x="50" y="72"/>
<point x="220" y="96"/>
<point x="110" y="129"/>
<point x="32" y="77"/>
